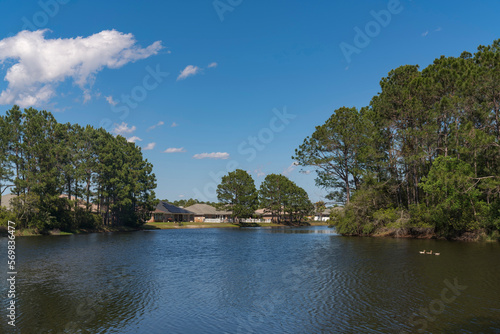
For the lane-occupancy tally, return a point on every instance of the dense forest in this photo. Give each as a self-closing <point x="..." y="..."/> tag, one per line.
<point x="423" y="157"/>
<point x="70" y="177"/>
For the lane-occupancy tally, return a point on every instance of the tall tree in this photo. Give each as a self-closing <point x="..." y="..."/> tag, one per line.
<point x="272" y="195"/>
<point x="297" y="203"/>
<point x="6" y="172"/>
<point x="238" y="194"/>
<point x="336" y="150"/>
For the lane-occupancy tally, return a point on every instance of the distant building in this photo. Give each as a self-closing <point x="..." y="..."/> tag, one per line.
<point x="6" y="201"/>
<point x="264" y="214"/>
<point x="325" y="214"/>
<point x="166" y="212"/>
<point x="82" y="203"/>
<point x="207" y="213"/>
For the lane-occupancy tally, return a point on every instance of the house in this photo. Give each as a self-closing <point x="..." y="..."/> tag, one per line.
<point x="264" y="214"/>
<point x="325" y="214"/>
<point x="166" y="212"/>
<point x="82" y="203"/>
<point x="209" y="214"/>
<point x="6" y="201"/>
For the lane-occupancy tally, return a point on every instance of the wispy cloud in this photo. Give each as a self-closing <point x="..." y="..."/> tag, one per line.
<point x="111" y="101"/>
<point x="213" y="155"/>
<point x="190" y="70"/>
<point x="149" y="146"/>
<point x="290" y="169"/>
<point x="133" y="139"/>
<point x="307" y="172"/>
<point x="259" y="172"/>
<point x="212" y="65"/>
<point x="174" y="150"/>
<point x="426" y="33"/>
<point x="160" y="123"/>
<point x="38" y="65"/>
<point x="123" y="129"/>
<point x="174" y="125"/>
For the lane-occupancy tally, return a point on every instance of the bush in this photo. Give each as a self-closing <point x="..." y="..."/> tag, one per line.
<point x="6" y="215"/>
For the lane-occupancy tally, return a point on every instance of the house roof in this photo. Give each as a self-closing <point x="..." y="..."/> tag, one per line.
<point x="205" y="209"/>
<point x="266" y="212"/>
<point x="164" y="207"/>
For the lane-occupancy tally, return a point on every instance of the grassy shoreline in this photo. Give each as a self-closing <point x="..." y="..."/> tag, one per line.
<point x="149" y="226"/>
<point x="170" y="225"/>
<point x="413" y="232"/>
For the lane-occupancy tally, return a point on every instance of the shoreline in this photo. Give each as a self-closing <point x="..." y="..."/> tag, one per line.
<point x="428" y="233"/>
<point x="151" y="227"/>
<point x="192" y="225"/>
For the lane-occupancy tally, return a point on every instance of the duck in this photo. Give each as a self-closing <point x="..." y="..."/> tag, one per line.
<point x="422" y="252"/>
<point x="429" y="252"/>
<point x="437" y="253"/>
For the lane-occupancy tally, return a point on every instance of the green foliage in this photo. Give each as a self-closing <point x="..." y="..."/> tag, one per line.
<point x="451" y="186"/>
<point x="338" y="150"/>
<point x="66" y="176"/>
<point x="238" y="194"/>
<point x="6" y="216"/>
<point x="188" y="202"/>
<point x="287" y="202"/>
<point x="425" y="152"/>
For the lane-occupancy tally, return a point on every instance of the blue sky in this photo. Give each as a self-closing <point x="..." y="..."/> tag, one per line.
<point x="258" y="76"/>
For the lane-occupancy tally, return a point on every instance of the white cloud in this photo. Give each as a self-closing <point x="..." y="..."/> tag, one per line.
<point x="259" y="172"/>
<point x="211" y="65"/>
<point x="425" y="33"/>
<point x="181" y="196"/>
<point x="149" y="146"/>
<point x="133" y="139"/>
<point x="290" y="169"/>
<point x="213" y="155"/>
<point x="111" y="101"/>
<point x="307" y="172"/>
<point x="123" y="129"/>
<point x="438" y="29"/>
<point x="37" y="65"/>
<point x="190" y="70"/>
<point x="174" y="125"/>
<point x="174" y="150"/>
<point x="160" y="123"/>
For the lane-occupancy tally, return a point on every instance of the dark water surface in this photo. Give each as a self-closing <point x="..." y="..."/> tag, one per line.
<point x="254" y="280"/>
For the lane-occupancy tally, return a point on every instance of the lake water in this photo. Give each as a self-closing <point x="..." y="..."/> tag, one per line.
<point x="253" y="280"/>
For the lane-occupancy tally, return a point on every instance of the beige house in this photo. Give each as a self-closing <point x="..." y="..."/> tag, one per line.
<point x="264" y="214"/>
<point x="6" y="200"/>
<point x="208" y="214"/>
<point x="325" y="215"/>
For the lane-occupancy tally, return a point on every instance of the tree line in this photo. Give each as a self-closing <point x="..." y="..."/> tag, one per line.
<point x="278" y="195"/>
<point x="424" y="153"/>
<point x="68" y="177"/>
<point x="188" y="202"/>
